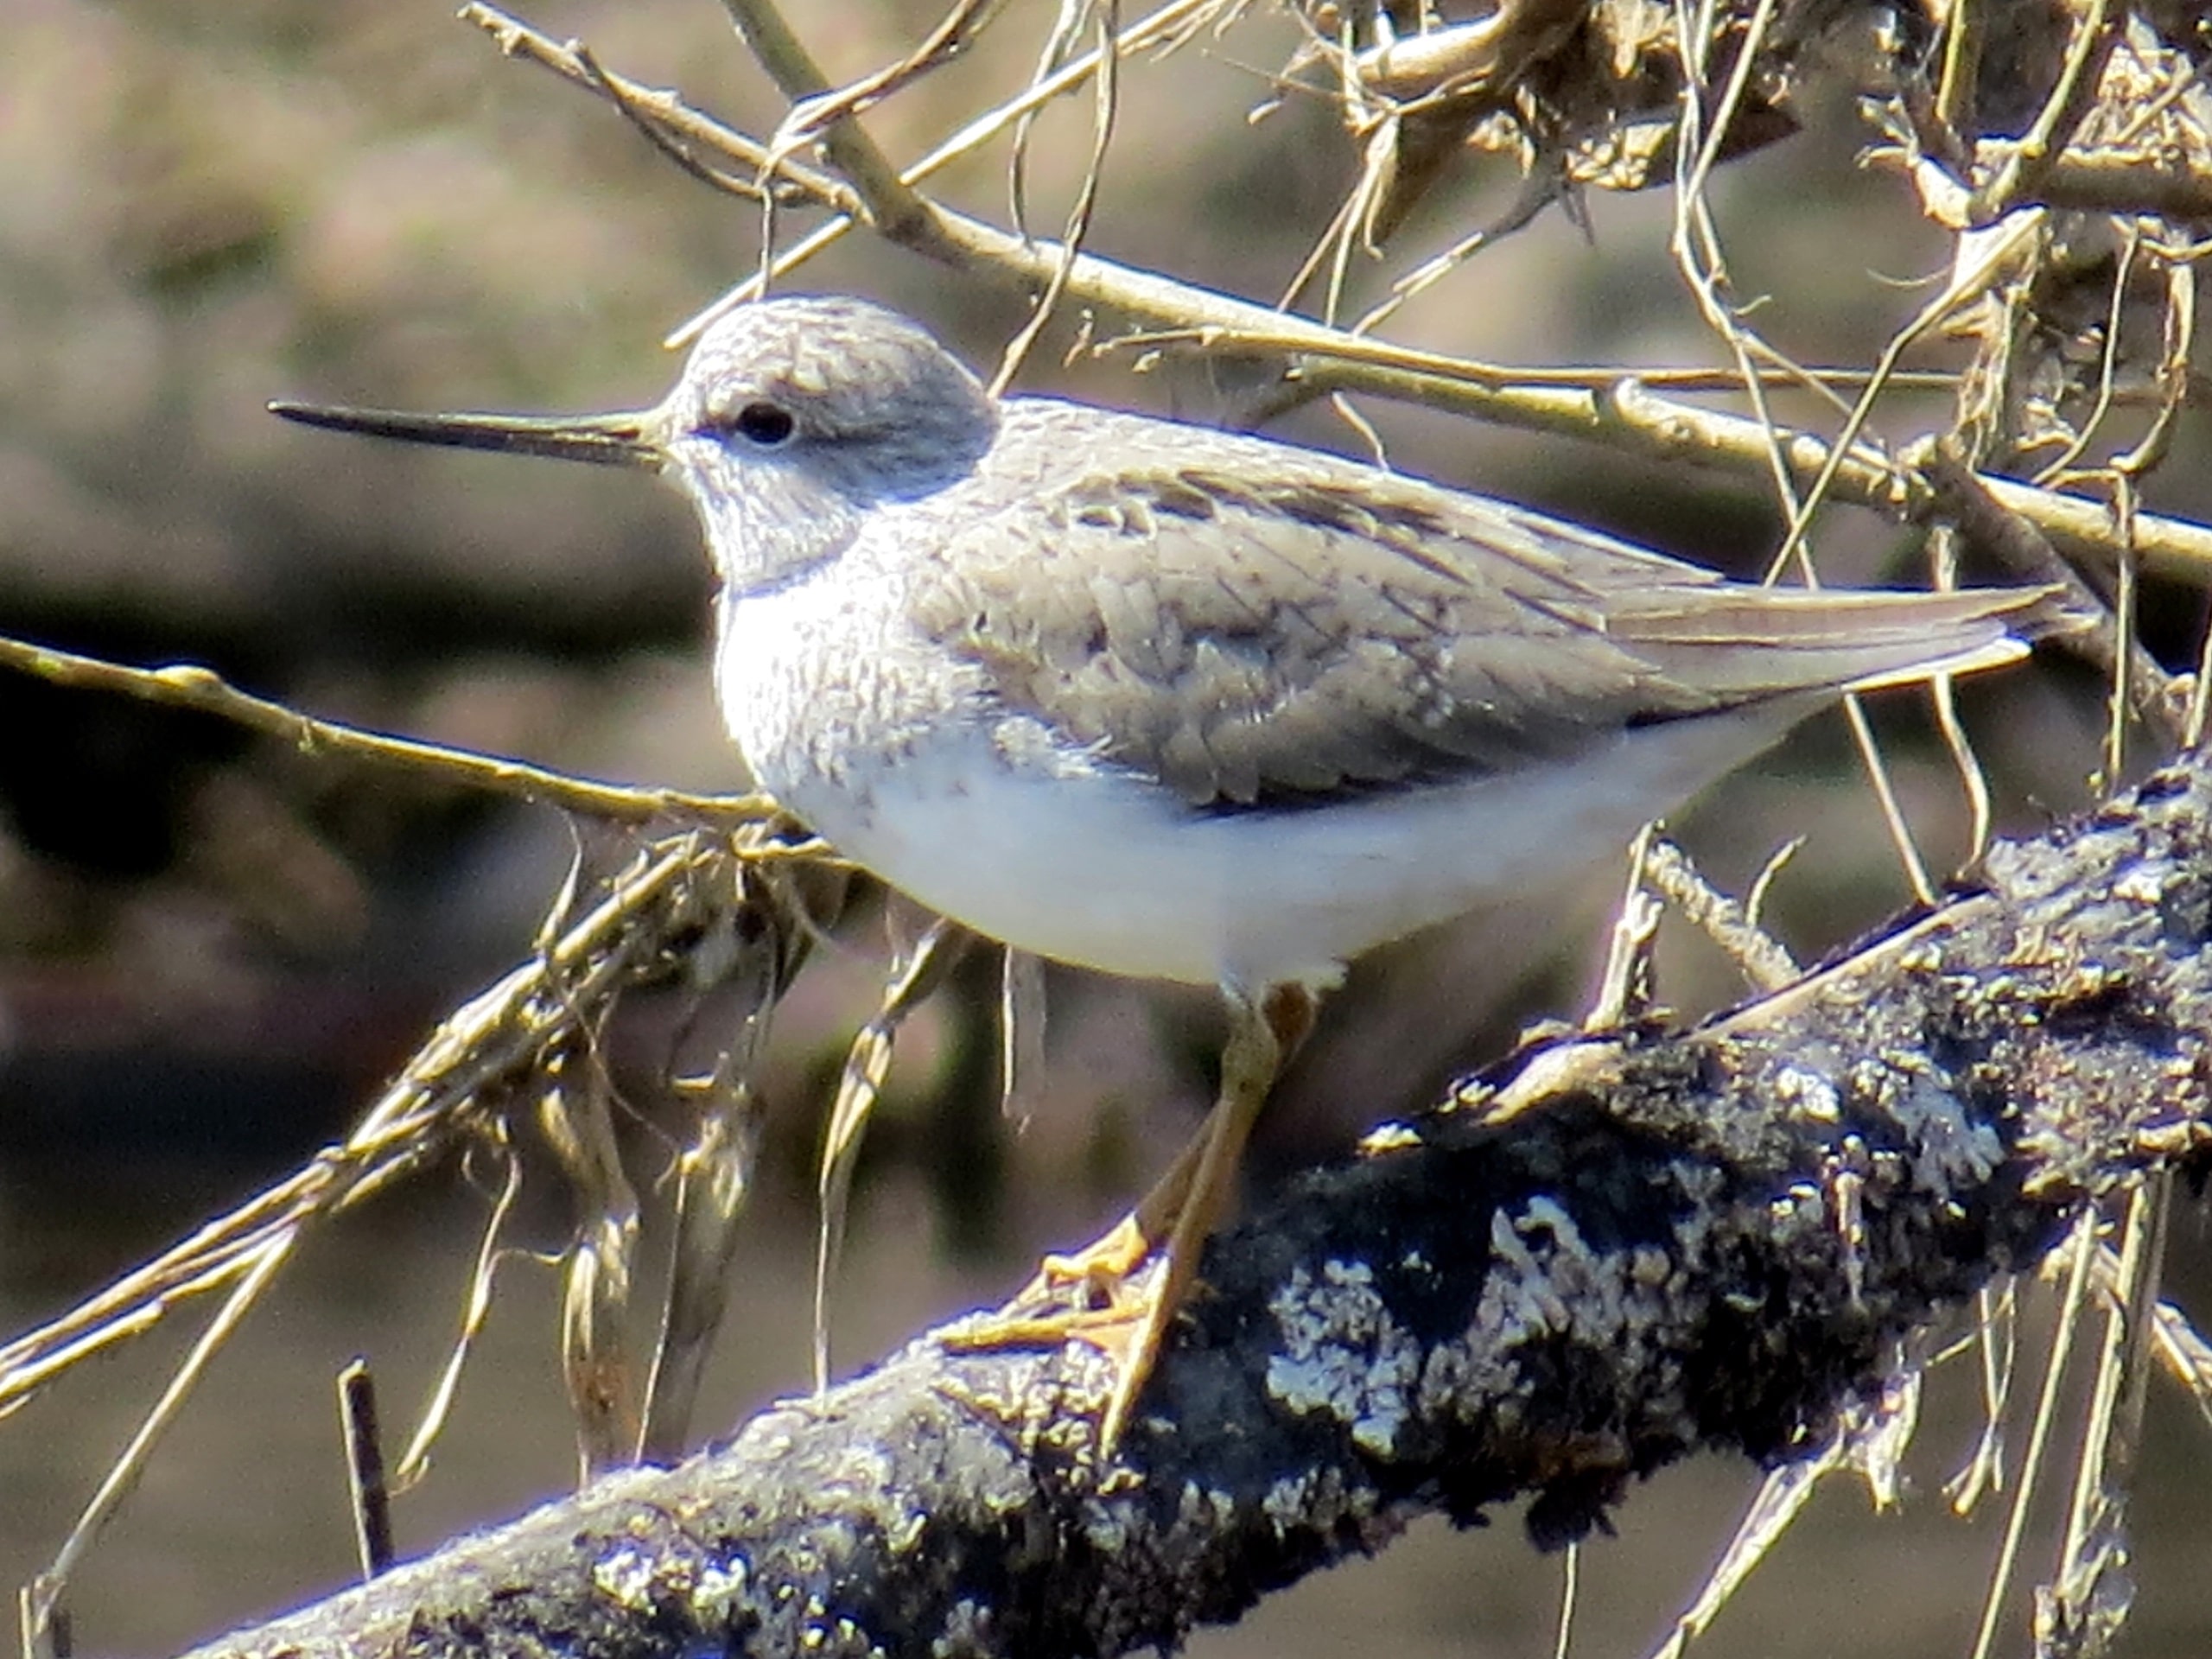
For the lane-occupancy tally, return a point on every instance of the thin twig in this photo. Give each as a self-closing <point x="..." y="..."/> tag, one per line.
<point x="1764" y="963"/>
<point x="891" y="205"/>
<point x="203" y="690"/>
<point x="2080" y="1252"/>
<point x="2025" y="164"/>
<point x="953" y="33"/>
<point x="1159" y="27"/>
<point x="1085" y="206"/>
<point x="368" y="1497"/>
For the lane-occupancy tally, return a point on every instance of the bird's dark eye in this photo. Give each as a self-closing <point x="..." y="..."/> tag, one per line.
<point x="766" y="424"/>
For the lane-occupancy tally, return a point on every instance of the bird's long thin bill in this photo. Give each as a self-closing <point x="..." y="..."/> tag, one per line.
<point x="607" y="440"/>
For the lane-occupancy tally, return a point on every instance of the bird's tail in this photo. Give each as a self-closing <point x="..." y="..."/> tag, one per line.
<point x="1774" y="643"/>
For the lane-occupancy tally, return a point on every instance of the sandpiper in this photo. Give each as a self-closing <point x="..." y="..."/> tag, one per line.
<point x="1186" y="704"/>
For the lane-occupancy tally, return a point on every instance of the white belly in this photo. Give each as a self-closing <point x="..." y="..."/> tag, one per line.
<point x="1106" y="871"/>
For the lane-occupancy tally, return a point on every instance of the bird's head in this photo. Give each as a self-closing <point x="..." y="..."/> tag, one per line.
<point x="792" y="418"/>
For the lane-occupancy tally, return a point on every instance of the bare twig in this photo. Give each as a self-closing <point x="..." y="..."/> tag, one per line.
<point x="368" y="1496"/>
<point x="918" y="967"/>
<point x="1086" y="205"/>
<point x="891" y="205"/>
<point x="201" y="689"/>
<point x="1762" y="959"/>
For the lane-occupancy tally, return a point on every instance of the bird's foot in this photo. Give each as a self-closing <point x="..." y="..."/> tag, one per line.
<point x="1100" y="1296"/>
<point x="1098" y="1274"/>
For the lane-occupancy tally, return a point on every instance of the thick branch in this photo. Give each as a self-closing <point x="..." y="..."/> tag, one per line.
<point x="1623" y="1253"/>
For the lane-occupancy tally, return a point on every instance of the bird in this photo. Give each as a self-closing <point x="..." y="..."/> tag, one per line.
<point x="1177" y="703"/>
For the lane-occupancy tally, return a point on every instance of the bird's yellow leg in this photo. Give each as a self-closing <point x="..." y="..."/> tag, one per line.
<point x="1087" y="1294"/>
<point x="1102" y="1267"/>
<point x="1117" y="1313"/>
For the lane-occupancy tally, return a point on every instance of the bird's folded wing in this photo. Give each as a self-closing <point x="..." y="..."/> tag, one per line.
<point x="1333" y="628"/>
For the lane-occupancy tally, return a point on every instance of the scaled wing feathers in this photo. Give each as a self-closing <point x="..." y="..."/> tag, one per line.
<point x="1337" y="628"/>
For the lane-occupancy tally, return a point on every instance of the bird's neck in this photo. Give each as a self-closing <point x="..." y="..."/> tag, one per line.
<point x="784" y="527"/>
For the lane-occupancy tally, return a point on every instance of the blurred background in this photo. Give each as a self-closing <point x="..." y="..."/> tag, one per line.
<point x="213" y="952"/>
